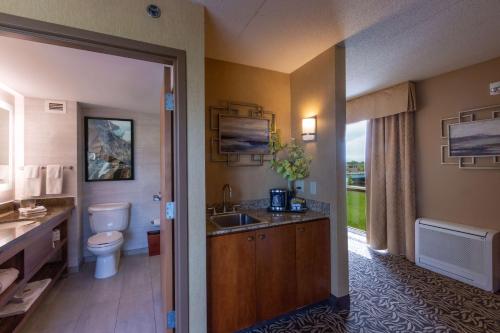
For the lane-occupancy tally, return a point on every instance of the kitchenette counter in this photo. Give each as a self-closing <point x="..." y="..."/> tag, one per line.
<point x="269" y="220"/>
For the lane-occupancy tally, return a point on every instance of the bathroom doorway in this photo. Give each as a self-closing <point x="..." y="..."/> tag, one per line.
<point x="173" y="108"/>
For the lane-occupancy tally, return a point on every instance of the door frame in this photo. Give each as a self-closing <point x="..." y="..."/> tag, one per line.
<point x="51" y="33"/>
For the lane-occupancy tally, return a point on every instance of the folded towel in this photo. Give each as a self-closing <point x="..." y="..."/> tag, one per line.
<point x="7" y="277"/>
<point x="22" y="304"/>
<point x="54" y="179"/>
<point x="4" y="173"/>
<point x="30" y="291"/>
<point x="31" y="211"/>
<point x="32" y="181"/>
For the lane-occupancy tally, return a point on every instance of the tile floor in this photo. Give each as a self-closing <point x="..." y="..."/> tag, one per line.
<point x="129" y="302"/>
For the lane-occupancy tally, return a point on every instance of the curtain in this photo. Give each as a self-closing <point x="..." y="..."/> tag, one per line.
<point x="382" y="103"/>
<point x="390" y="184"/>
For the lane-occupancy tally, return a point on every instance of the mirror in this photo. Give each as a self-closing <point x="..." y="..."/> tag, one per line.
<point x="5" y="147"/>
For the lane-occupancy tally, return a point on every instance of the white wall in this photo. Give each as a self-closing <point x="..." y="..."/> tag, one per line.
<point x="52" y="139"/>
<point x="139" y="192"/>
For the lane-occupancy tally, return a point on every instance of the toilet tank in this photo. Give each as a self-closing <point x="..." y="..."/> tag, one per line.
<point x="109" y="216"/>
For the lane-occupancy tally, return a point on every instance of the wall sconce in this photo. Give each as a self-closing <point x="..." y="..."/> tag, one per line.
<point x="309" y="129"/>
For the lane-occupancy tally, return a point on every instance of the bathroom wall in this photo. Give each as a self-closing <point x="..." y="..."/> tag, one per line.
<point x="51" y="138"/>
<point x="138" y="192"/>
<point x="228" y="81"/>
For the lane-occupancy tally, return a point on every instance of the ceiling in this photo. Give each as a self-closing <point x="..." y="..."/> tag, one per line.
<point x="282" y="35"/>
<point x="387" y="41"/>
<point x="53" y="72"/>
<point x="429" y="38"/>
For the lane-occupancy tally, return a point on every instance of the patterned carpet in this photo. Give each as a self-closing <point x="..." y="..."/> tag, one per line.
<point x="390" y="294"/>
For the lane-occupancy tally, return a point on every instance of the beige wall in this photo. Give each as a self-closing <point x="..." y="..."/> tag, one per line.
<point x="139" y="192"/>
<point x="318" y="88"/>
<point x="228" y="81"/>
<point x="444" y="191"/>
<point x="180" y="26"/>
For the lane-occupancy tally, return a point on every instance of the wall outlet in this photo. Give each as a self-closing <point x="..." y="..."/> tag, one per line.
<point x="312" y="187"/>
<point x="299" y="186"/>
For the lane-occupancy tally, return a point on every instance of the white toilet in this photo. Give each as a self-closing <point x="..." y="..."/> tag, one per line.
<point x="107" y="221"/>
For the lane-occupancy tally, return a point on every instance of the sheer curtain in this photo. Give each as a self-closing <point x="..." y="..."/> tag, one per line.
<point x="390" y="184"/>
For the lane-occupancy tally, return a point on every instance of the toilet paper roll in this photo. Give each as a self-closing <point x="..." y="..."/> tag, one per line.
<point x="156" y="222"/>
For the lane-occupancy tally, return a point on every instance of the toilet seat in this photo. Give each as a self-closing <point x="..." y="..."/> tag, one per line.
<point x="104" y="239"/>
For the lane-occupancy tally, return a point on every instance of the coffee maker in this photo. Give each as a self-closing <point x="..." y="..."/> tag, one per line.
<point x="278" y="200"/>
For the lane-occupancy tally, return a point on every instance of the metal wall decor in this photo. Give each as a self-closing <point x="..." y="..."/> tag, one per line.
<point x="243" y="110"/>
<point x="470" y="150"/>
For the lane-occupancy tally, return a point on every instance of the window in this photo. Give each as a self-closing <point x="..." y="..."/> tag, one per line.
<point x="355" y="172"/>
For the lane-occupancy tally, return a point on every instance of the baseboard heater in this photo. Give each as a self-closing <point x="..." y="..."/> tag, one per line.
<point x="464" y="253"/>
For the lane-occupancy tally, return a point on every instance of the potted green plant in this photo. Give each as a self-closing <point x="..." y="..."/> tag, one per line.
<point x="289" y="160"/>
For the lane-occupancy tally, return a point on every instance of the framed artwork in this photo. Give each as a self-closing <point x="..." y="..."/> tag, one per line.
<point x="474" y="138"/>
<point x="243" y="135"/>
<point x="109" y="149"/>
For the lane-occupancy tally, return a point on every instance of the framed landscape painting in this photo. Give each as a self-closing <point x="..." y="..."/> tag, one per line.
<point x="243" y="135"/>
<point x="475" y="138"/>
<point x="109" y="149"/>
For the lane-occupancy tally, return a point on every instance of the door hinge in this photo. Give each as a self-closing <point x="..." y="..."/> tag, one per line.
<point x="170" y="101"/>
<point x="171" y="319"/>
<point x="170" y="210"/>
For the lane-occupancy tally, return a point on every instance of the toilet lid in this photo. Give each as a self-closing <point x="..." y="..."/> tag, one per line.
<point x="105" y="239"/>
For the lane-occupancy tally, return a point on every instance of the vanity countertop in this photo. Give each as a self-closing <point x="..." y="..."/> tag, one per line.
<point x="14" y="227"/>
<point x="270" y="219"/>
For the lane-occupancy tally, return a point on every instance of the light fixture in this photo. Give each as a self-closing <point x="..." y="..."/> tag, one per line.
<point x="309" y="129"/>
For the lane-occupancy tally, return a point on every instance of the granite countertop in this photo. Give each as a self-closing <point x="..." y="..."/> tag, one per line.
<point x="12" y="226"/>
<point x="269" y="219"/>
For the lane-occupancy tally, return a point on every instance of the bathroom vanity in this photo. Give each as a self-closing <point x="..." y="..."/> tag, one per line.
<point x="265" y="265"/>
<point x="27" y="245"/>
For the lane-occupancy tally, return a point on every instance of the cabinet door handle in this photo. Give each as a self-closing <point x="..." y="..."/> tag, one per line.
<point x="262" y="236"/>
<point x="302" y="229"/>
<point x="250" y="238"/>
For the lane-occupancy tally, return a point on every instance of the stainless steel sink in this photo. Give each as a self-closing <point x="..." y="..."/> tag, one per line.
<point x="232" y="220"/>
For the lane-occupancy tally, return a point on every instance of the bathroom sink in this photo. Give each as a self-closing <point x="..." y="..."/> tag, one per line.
<point x="232" y="220"/>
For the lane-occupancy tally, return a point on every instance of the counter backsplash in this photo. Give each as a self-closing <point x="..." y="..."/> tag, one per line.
<point x="314" y="205"/>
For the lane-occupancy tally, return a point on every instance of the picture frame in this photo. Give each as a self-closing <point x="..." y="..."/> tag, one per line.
<point x="109" y="149"/>
<point x="244" y="135"/>
<point x="479" y="138"/>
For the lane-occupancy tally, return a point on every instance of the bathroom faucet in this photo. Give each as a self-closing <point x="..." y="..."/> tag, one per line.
<point x="225" y="188"/>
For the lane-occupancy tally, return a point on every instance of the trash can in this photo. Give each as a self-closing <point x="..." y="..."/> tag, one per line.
<point x="154" y="242"/>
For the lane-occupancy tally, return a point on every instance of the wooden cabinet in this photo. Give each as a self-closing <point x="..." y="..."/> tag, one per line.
<point x="313" y="261"/>
<point x="276" y="282"/>
<point x="231" y="282"/>
<point x="258" y="275"/>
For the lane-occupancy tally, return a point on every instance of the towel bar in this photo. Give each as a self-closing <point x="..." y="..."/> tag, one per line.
<point x="68" y="167"/>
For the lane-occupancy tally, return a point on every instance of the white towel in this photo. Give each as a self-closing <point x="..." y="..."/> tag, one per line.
<point x="54" y="179"/>
<point x="32" y="211"/>
<point x="7" y="277"/>
<point x="4" y="173"/>
<point x="32" y="181"/>
<point x="20" y="306"/>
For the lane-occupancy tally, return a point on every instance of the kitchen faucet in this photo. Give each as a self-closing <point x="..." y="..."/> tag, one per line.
<point x="225" y="188"/>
